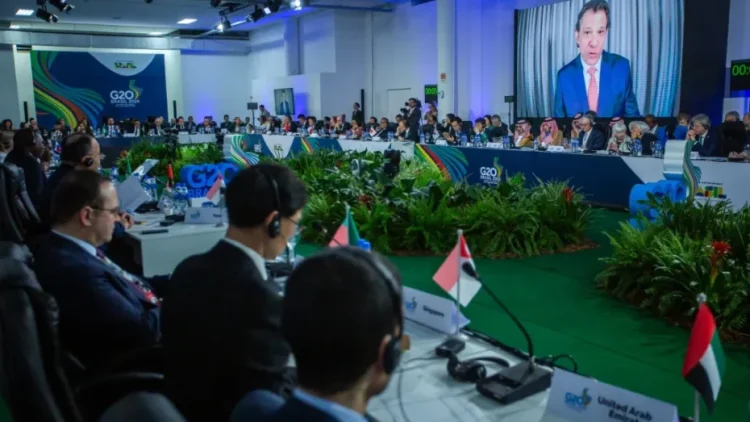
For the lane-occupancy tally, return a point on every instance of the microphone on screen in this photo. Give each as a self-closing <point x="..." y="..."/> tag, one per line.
<point x="318" y="226"/>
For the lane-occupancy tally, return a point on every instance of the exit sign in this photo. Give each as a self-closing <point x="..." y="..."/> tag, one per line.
<point x="739" y="75"/>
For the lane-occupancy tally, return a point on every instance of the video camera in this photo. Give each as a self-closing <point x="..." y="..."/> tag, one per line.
<point x="418" y="105"/>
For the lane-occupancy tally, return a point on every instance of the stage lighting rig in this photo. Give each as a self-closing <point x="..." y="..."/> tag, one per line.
<point x="225" y="25"/>
<point x="62" y="5"/>
<point x="46" y="16"/>
<point x="257" y="15"/>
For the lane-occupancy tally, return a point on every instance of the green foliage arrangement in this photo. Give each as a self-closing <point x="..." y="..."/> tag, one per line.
<point x="419" y="212"/>
<point x="691" y="248"/>
<point x="186" y="155"/>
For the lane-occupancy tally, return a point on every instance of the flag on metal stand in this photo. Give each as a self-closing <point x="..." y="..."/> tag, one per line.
<point x="704" y="361"/>
<point x="453" y="277"/>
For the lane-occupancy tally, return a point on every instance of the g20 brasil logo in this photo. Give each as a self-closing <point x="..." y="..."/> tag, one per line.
<point x="577" y="402"/>
<point x="125" y="65"/>
<point x="491" y="175"/>
<point x="126" y="98"/>
<point x="411" y="306"/>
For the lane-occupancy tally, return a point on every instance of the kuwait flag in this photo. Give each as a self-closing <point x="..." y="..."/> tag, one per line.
<point x="453" y="274"/>
<point x="347" y="234"/>
<point x="704" y="360"/>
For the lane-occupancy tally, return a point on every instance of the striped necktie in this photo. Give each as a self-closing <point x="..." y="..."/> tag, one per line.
<point x="135" y="281"/>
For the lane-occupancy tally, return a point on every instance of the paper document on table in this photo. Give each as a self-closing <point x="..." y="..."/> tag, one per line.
<point x="131" y="194"/>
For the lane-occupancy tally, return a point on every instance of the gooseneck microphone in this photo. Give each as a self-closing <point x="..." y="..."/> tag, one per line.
<point x="519" y="381"/>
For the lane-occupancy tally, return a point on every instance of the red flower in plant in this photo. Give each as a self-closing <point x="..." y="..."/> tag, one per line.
<point x="338" y="164"/>
<point x="568" y="194"/>
<point x="365" y="199"/>
<point x="720" y="247"/>
<point x="124" y="153"/>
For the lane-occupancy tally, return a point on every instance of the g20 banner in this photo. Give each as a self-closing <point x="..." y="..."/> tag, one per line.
<point x="76" y="85"/>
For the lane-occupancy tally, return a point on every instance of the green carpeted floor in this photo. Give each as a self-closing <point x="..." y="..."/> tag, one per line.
<point x="555" y="297"/>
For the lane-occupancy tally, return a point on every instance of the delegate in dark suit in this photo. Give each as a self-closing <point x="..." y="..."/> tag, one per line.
<point x="616" y="97"/>
<point x="706" y="145"/>
<point x="101" y="313"/>
<point x="594" y="141"/>
<point x="222" y="334"/>
<point x="35" y="179"/>
<point x="359" y="116"/>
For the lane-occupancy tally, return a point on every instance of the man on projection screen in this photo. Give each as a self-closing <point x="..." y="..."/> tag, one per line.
<point x="595" y="80"/>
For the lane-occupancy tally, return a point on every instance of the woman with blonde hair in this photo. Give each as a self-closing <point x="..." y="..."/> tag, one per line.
<point x="549" y="133"/>
<point x="620" y="142"/>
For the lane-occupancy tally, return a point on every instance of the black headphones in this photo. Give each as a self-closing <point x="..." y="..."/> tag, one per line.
<point x="87" y="161"/>
<point x="274" y="228"/>
<point x="392" y="355"/>
<point x="471" y="370"/>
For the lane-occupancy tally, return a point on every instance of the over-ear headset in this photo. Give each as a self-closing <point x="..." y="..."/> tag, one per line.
<point x="87" y="161"/>
<point x="274" y="228"/>
<point x="392" y="355"/>
<point x="471" y="370"/>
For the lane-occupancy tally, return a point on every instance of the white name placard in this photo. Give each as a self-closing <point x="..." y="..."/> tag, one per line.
<point x="556" y="148"/>
<point x="205" y="215"/>
<point x="574" y="398"/>
<point x="495" y="145"/>
<point x="441" y="142"/>
<point x="433" y="311"/>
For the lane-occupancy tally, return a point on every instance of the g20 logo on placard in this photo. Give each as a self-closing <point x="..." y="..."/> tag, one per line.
<point x="125" y="65"/>
<point x="127" y="97"/>
<point x="576" y="402"/>
<point x="200" y="178"/>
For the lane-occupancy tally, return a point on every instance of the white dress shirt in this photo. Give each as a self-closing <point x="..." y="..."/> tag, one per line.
<point x="586" y="138"/>
<point x="587" y="77"/>
<point x="258" y="260"/>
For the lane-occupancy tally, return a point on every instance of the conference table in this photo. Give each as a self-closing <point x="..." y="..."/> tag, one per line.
<point x="427" y="392"/>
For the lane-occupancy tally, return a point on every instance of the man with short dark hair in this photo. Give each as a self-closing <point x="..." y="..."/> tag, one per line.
<point x="358" y="114"/>
<point x="596" y="79"/>
<point x="222" y="322"/>
<point x="104" y="311"/>
<point x="340" y="302"/>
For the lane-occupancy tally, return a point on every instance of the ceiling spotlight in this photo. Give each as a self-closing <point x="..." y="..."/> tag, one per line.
<point x="256" y="15"/>
<point x="224" y="25"/>
<point x="24" y="12"/>
<point x="46" y="16"/>
<point x="186" y="21"/>
<point x="62" y="5"/>
<point x="273" y="5"/>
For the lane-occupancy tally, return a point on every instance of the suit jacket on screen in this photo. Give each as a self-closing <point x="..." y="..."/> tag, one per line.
<point x="616" y="97"/>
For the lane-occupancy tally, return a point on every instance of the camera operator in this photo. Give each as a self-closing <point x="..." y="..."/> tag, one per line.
<point x="413" y="113"/>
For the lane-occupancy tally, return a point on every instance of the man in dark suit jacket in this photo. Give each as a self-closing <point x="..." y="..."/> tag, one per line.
<point x="222" y="323"/>
<point x="595" y="80"/>
<point x="104" y="311"/>
<point x="25" y="152"/>
<point x="705" y="137"/>
<point x="590" y="138"/>
<point x="414" y="115"/>
<point x="328" y="300"/>
<point x="358" y="114"/>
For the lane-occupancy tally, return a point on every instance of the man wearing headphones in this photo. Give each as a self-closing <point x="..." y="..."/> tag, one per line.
<point x="222" y="322"/>
<point x="343" y="320"/>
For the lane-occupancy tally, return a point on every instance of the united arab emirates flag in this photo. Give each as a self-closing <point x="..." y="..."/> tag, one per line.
<point x="704" y="360"/>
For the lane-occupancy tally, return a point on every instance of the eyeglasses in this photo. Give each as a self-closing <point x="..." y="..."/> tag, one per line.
<point x="114" y="211"/>
<point x="297" y="228"/>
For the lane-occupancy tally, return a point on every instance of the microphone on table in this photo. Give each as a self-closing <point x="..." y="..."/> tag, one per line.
<point x="519" y="381"/>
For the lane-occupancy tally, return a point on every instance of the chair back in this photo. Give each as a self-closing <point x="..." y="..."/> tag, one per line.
<point x="11" y="225"/>
<point x="34" y="386"/>
<point x="143" y="407"/>
<point x="26" y="208"/>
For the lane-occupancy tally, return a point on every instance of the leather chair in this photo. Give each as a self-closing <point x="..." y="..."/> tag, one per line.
<point x="11" y="224"/>
<point x="35" y="386"/>
<point x="22" y="199"/>
<point x="143" y="407"/>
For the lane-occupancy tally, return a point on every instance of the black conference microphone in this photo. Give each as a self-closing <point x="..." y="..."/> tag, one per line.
<point x="318" y="226"/>
<point x="519" y="381"/>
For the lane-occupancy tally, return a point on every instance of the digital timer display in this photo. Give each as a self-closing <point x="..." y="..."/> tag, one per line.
<point x="739" y="75"/>
<point x="430" y="93"/>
